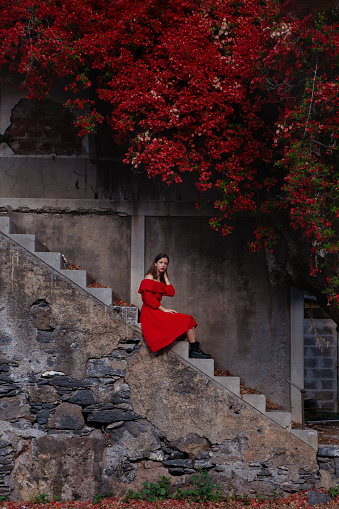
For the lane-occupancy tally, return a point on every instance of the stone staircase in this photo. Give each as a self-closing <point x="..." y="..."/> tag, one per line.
<point x="56" y="261"/>
<point x="130" y="315"/>
<point x="258" y="401"/>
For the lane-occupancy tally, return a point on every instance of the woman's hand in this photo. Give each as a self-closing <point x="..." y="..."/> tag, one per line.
<point x="166" y="310"/>
<point x="167" y="282"/>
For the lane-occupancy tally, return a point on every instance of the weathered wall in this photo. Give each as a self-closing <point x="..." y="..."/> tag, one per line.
<point x="97" y="242"/>
<point x="243" y="320"/>
<point x="85" y="407"/>
<point x="41" y="138"/>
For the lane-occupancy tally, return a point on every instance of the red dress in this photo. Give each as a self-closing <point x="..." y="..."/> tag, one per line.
<point x="160" y="328"/>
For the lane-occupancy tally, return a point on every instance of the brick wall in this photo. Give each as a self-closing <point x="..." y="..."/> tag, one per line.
<point x="43" y="127"/>
<point x="320" y="362"/>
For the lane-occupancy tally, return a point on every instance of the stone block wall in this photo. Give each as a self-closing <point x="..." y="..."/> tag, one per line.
<point x="328" y="460"/>
<point x="85" y="407"/>
<point x="320" y="363"/>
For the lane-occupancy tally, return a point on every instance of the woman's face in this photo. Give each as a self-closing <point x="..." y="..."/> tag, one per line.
<point x="161" y="265"/>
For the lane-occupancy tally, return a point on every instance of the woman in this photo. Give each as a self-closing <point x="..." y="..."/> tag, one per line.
<point x="161" y="326"/>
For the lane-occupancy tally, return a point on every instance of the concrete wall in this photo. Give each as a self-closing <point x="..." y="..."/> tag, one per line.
<point x="321" y="363"/>
<point x="97" y="242"/>
<point x="243" y="320"/>
<point x="86" y="408"/>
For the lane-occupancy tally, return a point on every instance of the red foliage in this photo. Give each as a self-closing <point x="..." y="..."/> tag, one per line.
<point x="242" y="94"/>
<point x="295" y="501"/>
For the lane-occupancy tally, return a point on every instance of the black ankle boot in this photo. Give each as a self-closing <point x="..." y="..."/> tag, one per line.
<point x="197" y="353"/>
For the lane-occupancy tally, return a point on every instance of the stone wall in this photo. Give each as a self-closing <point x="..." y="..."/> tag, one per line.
<point x="86" y="408"/>
<point x="328" y="460"/>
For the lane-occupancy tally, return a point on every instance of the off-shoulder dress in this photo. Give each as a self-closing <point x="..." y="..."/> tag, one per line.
<point x="158" y="327"/>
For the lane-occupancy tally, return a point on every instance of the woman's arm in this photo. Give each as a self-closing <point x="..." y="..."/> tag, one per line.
<point x="166" y="310"/>
<point x="169" y="290"/>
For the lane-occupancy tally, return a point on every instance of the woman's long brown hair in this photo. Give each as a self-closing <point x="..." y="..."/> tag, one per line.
<point x="153" y="271"/>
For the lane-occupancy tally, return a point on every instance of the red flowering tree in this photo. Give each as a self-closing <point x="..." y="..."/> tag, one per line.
<point x="243" y="94"/>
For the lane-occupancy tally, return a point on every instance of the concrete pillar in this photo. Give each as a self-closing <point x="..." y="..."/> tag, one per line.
<point x="297" y="351"/>
<point x="137" y="257"/>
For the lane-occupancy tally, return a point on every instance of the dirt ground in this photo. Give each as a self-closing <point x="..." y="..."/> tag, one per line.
<point x="328" y="433"/>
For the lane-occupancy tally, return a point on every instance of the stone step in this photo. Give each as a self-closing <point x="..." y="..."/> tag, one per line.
<point x="29" y="242"/>
<point x="52" y="259"/>
<point x="103" y="294"/>
<point x="282" y="418"/>
<point x="7" y="226"/>
<point x="232" y="383"/>
<point x="258" y="401"/>
<point x="309" y="436"/>
<point x="79" y="277"/>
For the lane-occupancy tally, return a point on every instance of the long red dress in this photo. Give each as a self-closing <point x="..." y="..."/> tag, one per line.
<point x="158" y="327"/>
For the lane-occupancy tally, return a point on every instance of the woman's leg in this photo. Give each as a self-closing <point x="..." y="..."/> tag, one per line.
<point x="191" y="335"/>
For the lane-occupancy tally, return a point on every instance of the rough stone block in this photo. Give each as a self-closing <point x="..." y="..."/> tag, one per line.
<point x="109" y="416"/>
<point x="12" y="409"/>
<point x="105" y="366"/>
<point x="82" y="397"/>
<point x="317" y="497"/>
<point x="330" y="451"/>
<point x="44" y="336"/>
<point x="191" y="444"/>
<point x="178" y="463"/>
<point x="67" y="416"/>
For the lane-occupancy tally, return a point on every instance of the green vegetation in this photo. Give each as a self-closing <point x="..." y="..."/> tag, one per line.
<point x="203" y="489"/>
<point x="151" y="491"/>
<point x="98" y="497"/>
<point x="41" y="498"/>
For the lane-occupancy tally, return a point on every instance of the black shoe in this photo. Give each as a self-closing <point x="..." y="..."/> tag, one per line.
<point x="197" y="353"/>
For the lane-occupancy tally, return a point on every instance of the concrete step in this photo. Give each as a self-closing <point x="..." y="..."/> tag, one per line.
<point x="29" y="242"/>
<point x="232" y="383"/>
<point x="180" y="348"/>
<point x="309" y="436"/>
<point x="204" y="365"/>
<point x="282" y="418"/>
<point x="103" y="294"/>
<point x="52" y="259"/>
<point x="7" y="226"/>
<point x="258" y="401"/>
<point x="79" y="277"/>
